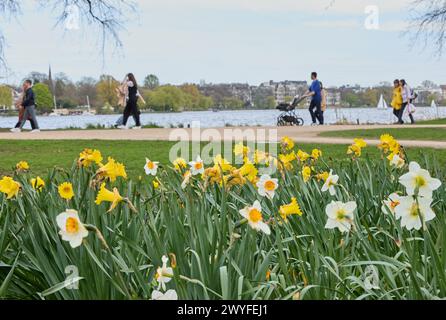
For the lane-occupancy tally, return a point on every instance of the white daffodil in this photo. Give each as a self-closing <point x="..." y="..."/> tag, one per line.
<point x="330" y="183"/>
<point x="164" y="274"/>
<point x="151" y="167"/>
<point x="411" y="210"/>
<point x="254" y="216"/>
<point x="397" y="161"/>
<point x="71" y="228"/>
<point x="419" y="179"/>
<point x="267" y="186"/>
<point x="197" y="166"/>
<point x="169" y="295"/>
<point x="391" y="203"/>
<point x="340" y="215"/>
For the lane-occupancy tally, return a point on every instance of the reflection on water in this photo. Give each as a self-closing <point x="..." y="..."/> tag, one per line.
<point x="235" y="118"/>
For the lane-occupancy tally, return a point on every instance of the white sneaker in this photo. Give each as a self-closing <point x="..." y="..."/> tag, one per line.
<point x="122" y="127"/>
<point x="137" y="128"/>
<point x="15" y="130"/>
<point x="35" y="131"/>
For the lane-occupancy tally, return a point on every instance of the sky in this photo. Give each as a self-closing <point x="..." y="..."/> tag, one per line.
<point x="219" y="41"/>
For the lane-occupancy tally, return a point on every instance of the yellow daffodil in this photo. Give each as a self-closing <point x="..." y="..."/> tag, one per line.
<point x="180" y="164"/>
<point x="249" y="171"/>
<point x="213" y="175"/>
<point x="9" y="187"/>
<point x="37" y="183"/>
<point x="356" y="147"/>
<point x="22" y="166"/>
<point x="112" y="170"/>
<point x="323" y="176"/>
<point x="287" y="143"/>
<point x="360" y="143"/>
<point x="388" y="144"/>
<point x="316" y="154"/>
<point x="290" y="209"/>
<point x="105" y="195"/>
<point x="89" y="156"/>
<point x="156" y="184"/>
<point x="302" y="156"/>
<point x="222" y="163"/>
<point x="241" y="150"/>
<point x="306" y="173"/>
<point x="355" y="150"/>
<point x="286" y="160"/>
<point x="235" y="178"/>
<point x="66" y="191"/>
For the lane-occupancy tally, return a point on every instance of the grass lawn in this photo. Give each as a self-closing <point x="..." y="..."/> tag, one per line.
<point x="431" y="134"/>
<point x="42" y="155"/>
<point x="435" y="121"/>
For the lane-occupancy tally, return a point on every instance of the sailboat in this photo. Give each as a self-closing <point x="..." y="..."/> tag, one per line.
<point x="382" y="104"/>
<point x="433" y="104"/>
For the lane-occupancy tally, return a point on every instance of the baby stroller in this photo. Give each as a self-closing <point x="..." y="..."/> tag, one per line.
<point x="289" y="116"/>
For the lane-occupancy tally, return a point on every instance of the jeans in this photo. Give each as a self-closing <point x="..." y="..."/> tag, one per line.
<point x="131" y="109"/>
<point x="316" y="115"/>
<point x="30" y="113"/>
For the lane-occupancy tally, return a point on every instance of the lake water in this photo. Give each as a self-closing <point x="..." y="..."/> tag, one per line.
<point x="235" y="118"/>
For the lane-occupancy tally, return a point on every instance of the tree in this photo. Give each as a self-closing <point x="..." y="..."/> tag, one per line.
<point x="5" y="96"/>
<point x="44" y="99"/>
<point x="151" y="81"/>
<point x="430" y="22"/>
<point x="37" y="77"/>
<point x="166" y="98"/>
<point x="370" y="97"/>
<point x="86" y="87"/>
<point x="106" y="91"/>
<point x="106" y="15"/>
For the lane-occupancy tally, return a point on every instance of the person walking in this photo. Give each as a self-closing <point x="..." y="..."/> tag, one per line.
<point x="397" y="99"/>
<point x="407" y="97"/>
<point x="130" y="90"/>
<point x="315" y="93"/>
<point x="29" y="106"/>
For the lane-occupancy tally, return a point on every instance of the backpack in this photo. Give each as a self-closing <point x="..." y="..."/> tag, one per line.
<point x="413" y="94"/>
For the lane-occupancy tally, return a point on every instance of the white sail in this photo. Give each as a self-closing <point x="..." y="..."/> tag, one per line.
<point x="433" y="104"/>
<point x="382" y="104"/>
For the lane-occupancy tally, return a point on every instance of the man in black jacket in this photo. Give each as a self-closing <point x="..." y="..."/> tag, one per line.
<point x="30" y="108"/>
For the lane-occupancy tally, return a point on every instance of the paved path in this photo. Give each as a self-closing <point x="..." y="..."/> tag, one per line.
<point x="299" y="134"/>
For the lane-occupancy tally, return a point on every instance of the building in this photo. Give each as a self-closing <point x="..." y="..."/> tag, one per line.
<point x="285" y="91"/>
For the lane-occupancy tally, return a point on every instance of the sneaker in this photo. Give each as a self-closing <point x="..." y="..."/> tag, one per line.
<point x="122" y="127"/>
<point x="15" y="130"/>
<point x="35" y="131"/>
<point x="137" y="128"/>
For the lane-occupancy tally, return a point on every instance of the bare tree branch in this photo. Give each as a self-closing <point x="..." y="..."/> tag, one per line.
<point x="429" y="21"/>
<point x="108" y="15"/>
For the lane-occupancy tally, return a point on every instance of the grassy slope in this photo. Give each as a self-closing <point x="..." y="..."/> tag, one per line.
<point x="42" y="155"/>
<point x="431" y="134"/>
